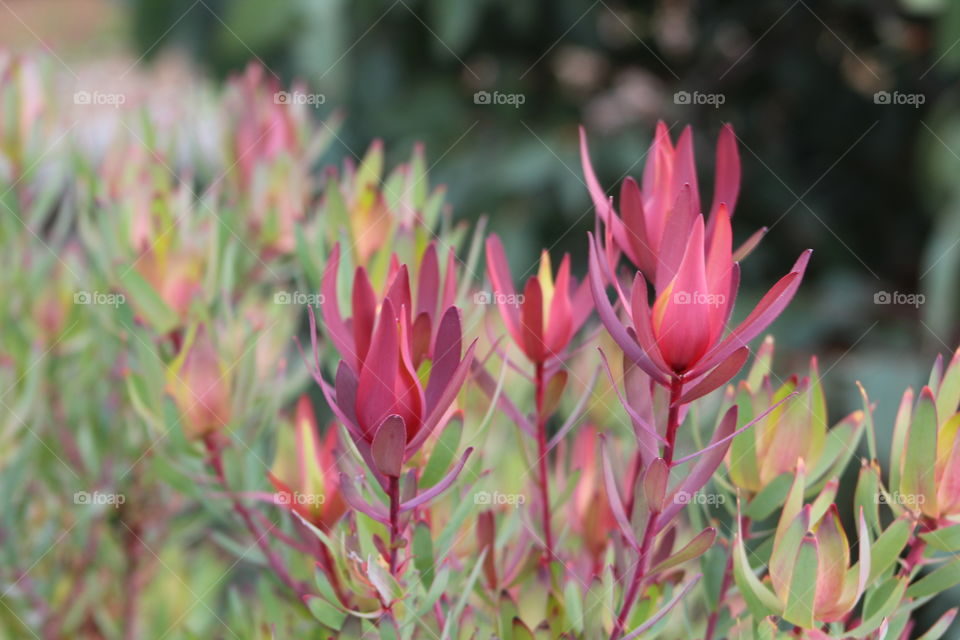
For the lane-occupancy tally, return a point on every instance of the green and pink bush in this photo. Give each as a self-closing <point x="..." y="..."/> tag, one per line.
<point x="246" y="395"/>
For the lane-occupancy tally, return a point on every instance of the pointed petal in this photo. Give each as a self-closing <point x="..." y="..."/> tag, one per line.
<point x="609" y="319"/>
<point x="446" y="356"/>
<point x="766" y="311"/>
<point x="681" y="313"/>
<point x="376" y="396"/>
<point x="332" y="320"/>
<point x="428" y="282"/>
<point x="560" y="319"/>
<point x="726" y="186"/>
<point x="502" y="282"/>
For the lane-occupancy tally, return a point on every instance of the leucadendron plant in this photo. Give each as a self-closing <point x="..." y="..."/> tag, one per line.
<point x="255" y="389"/>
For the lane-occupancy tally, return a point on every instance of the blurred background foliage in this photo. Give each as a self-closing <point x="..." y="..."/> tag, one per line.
<point x="871" y="187"/>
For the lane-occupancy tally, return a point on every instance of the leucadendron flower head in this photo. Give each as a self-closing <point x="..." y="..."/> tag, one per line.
<point x="925" y="452"/>
<point x="656" y="216"/>
<point x="811" y="581"/>
<point x="544" y="318"/>
<point x="388" y="401"/>
<point x="686" y="333"/>
<point x="794" y="429"/>
<point x="305" y="473"/>
<point x="199" y="383"/>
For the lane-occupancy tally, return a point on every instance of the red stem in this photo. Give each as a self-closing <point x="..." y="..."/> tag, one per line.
<point x="643" y="557"/>
<point x="543" y="478"/>
<point x="274" y="560"/>
<point x="917" y="547"/>
<point x="394" y="492"/>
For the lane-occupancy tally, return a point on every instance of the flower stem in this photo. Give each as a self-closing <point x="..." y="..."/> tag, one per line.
<point x="274" y="560"/>
<point x="542" y="477"/>
<point x="917" y="547"/>
<point x="650" y="532"/>
<point x="393" y="488"/>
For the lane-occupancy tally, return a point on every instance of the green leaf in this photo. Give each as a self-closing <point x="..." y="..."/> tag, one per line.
<point x="148" y="302"/>
<point x="325" y="612"/>
<point x="454" y="617"/>
<point x="693" y="549"/>
<point x="761" y="364"/>
<point x="878" y="604"/>
<point x="759" y="598"/>
<point x="762" y="505"/>
<point x="887" y="548"/>
<point x="573" y="601"/>
<point x="946" y="539"/>
<point x="423" y="553"/>
<point x="386" y="584"/>
<point x="803" y="586"/>
<point x="948" y="394"/>
<point x="940" y="580"/>
<point x="865" y="495"/>
<point x="901" y="426"/>
<point x="744" y="471"/>
<point x="443" y="453"/>
<point x="918" y="483"/>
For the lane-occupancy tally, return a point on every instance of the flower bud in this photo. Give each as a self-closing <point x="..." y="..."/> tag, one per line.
<point x="200" y="386"/>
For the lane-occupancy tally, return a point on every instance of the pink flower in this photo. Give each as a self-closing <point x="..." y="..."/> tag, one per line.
<point x="696" y="276"/>
<point x="542" y="320"/>
<point x="377" y="393"/>
<point x="310" y="470"/>
<point x="200" y="386"/>
<point x="655" y="221"/>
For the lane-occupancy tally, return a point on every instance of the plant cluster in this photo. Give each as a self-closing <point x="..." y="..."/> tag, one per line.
<point x="499" y="453"/>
